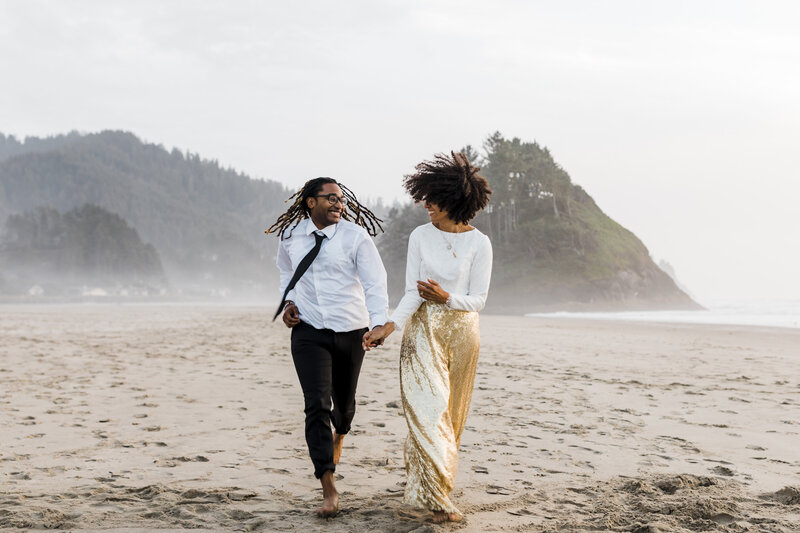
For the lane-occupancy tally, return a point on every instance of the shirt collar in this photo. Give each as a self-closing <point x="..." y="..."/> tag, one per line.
<point x="329" y="231"/>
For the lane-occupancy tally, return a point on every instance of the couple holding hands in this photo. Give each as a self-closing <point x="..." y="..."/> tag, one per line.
<point x="334" y="286"/>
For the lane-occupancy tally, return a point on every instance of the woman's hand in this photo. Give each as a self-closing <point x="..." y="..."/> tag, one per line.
<point x="432" y="291"/>
<point x="376" y="337"/>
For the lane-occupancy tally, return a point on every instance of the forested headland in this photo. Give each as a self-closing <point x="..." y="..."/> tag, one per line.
<point x="554" y="248"/>
<point x="188" y="226"/>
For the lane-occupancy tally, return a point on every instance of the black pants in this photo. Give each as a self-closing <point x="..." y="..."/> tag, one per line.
<point x="328" y="365"/>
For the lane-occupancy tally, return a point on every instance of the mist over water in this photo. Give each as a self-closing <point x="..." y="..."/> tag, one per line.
<point x="762" y="312"/>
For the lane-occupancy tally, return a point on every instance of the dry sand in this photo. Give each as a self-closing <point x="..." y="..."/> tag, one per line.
<point x="170" y="417"/>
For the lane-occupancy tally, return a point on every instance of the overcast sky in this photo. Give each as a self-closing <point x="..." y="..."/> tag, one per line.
<point x="681" y="119"/>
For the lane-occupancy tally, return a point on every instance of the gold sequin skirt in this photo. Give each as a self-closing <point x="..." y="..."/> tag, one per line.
<point x="438" y="359"/>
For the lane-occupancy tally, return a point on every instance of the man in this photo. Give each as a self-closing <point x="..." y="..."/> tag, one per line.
<point x="334" y="285"/>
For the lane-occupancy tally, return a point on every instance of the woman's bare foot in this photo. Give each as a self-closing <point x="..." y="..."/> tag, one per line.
<point x="330" y="498"/>
<point x="338" y="442"/>
<point x="440" y="517"/>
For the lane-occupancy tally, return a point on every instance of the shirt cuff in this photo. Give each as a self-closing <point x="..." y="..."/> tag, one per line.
<point x="378" y="319"/>
<point x="399" y="323"/>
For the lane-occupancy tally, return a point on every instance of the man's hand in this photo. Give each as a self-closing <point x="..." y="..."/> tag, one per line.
<point x="432" y="291"/>
<point x="376" y="337"/>
<point x="291" y="315"/>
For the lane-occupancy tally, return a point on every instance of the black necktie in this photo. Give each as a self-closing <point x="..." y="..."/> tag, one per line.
<point x="301" y="269"/>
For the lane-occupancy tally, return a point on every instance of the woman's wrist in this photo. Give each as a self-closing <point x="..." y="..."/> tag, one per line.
<point x="389" y="325"/>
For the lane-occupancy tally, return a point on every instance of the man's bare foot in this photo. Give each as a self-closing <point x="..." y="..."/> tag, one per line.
<point x="338" y="442"/>
<point x="442" y="516"/>
<point x="330" y="498"/>
<point x="330" y="506"/>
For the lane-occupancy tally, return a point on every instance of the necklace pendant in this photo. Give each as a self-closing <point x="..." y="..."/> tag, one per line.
<point x="454" y="254"/>
<point x="449" y="246"/>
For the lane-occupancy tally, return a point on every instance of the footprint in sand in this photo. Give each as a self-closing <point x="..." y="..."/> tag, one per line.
<point x="723" y="471"/>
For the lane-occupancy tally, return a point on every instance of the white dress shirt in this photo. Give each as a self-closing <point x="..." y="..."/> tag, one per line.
<point x="344" y="289"/>
<point x="466" y="276"/>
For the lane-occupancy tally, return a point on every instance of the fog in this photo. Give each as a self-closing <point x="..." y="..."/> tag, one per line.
<point x="680" y="119"/>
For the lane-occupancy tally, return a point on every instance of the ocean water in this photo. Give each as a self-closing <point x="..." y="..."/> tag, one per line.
<point x="770" y="313"/>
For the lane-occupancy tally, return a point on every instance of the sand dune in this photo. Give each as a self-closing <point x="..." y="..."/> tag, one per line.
<point x="167" y="417"/>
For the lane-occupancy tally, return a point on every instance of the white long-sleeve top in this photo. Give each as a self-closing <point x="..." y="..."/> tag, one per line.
<point x="466" y="276"/>
<point x="344" y="289"/>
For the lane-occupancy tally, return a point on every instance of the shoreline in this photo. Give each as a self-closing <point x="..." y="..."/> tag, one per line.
<point x="678" y="317"/>
<point x="710" y="316"/>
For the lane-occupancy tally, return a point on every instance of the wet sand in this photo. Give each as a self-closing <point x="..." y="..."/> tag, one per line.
<point x="181" y="417"/>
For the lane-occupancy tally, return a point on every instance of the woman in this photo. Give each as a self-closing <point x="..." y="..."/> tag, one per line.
<point x="448" y="269"/>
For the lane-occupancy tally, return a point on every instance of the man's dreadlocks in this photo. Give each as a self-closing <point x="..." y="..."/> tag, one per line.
<point x="299" y="211"/>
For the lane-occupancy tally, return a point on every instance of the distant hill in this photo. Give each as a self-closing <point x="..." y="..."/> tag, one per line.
<point x="206" y="222"/>
<point x="85" y="246"/>
<point x="554" y="248"/>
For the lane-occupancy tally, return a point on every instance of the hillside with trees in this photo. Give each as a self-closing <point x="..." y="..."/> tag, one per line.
<point x="206" y="222"/>
<point x="59" y="253"/>
<point x="11" y="146"/>
<point x="553" y="246"/>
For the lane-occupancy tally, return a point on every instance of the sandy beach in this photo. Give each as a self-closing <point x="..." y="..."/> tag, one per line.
<point x="143" y="417"/>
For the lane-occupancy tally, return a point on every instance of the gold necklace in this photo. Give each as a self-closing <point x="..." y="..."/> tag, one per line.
<point x="449" y="245"/>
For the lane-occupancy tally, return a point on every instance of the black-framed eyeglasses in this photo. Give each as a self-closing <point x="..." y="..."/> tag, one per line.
<point x="333" y="199"/>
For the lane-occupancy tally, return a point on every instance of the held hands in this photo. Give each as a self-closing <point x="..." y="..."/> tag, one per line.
<point x="291" y="315"/>
<point x="376" y="337"/>
<point x="432" y="291"/>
